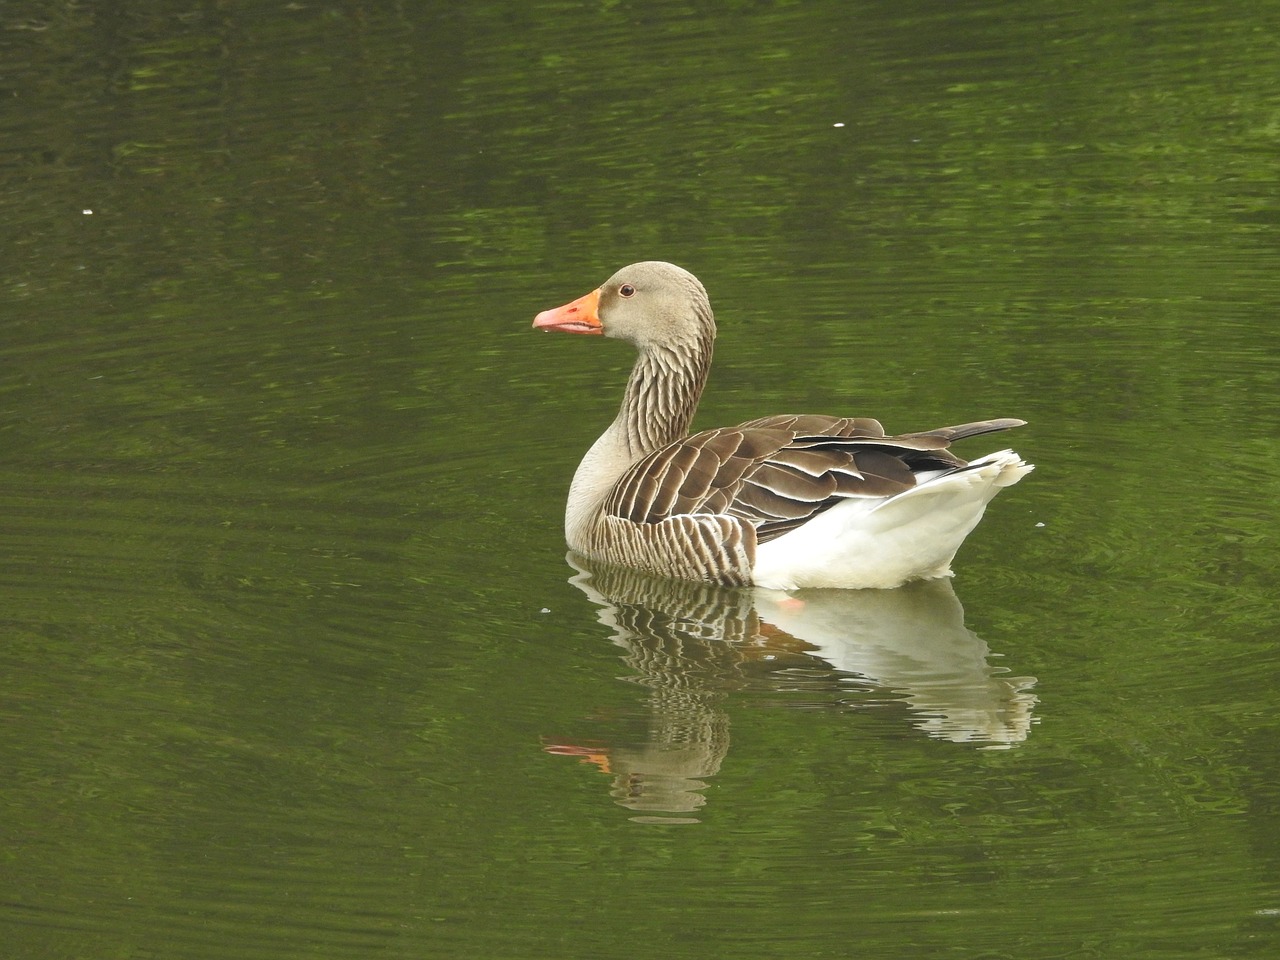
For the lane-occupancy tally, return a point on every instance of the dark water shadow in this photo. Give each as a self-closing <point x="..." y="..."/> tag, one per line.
<point x="693" y="645"/>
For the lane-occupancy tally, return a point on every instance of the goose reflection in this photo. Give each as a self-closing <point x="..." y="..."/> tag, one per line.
<point x="692" y="644"/>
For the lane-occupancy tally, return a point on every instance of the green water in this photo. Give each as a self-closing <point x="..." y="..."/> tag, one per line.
<point x="291" y="660"/>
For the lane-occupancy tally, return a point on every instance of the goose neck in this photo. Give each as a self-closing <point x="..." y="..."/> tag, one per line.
<point x="662" y="396"/>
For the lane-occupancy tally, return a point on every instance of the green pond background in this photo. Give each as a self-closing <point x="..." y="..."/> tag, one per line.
<point x="291" y="660"/>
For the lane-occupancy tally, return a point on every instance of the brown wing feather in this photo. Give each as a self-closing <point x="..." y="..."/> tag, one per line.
<point x="680" y="477"/>
<point x="777" y="472"/>
<point x="813" y="424"/>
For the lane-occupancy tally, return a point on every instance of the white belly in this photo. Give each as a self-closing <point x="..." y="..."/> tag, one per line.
<point x="886" y="542"/>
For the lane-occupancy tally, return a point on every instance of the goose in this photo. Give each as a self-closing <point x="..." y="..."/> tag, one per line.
<point x="784" y="502"/>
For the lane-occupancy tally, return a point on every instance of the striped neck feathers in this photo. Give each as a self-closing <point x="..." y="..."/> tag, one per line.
<point x="662" y="395"/>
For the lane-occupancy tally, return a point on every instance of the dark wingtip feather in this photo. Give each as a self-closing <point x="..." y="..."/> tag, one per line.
<point x="976" y="429"/>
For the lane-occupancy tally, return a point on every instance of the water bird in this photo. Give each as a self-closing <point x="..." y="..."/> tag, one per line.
<point x="784" y="502"/>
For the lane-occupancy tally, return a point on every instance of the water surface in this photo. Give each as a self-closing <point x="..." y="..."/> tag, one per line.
<point x="293" y="662"/>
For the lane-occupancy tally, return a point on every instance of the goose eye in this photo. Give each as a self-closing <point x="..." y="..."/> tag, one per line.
<point x="627" y="290"/>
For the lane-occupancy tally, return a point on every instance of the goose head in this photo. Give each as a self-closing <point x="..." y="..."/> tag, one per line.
<point x="652" y="304"/>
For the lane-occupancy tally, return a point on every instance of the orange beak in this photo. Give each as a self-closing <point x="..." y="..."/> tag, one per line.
<point x="577" y="317"/>
<point x="599" y="755"/>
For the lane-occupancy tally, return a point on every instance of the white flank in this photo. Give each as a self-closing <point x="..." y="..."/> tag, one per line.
<point x="886" y="542"/>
